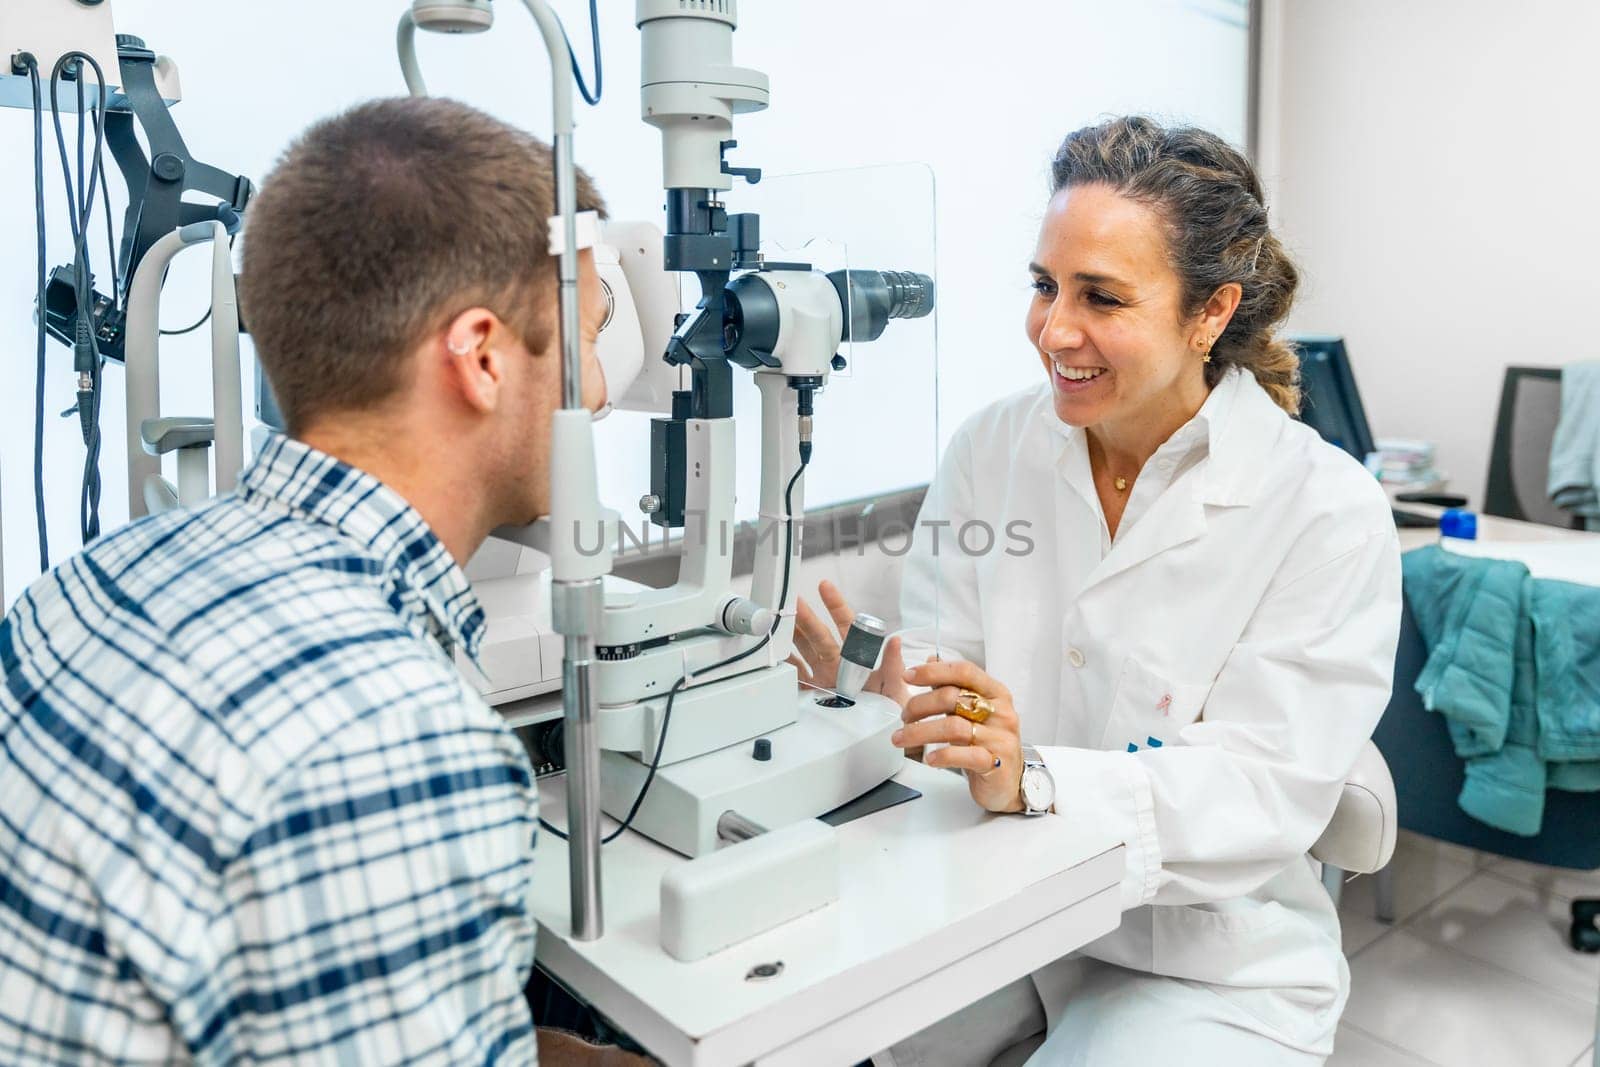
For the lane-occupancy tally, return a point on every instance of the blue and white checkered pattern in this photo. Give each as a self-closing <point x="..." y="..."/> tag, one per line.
<point x="248" y="808"/>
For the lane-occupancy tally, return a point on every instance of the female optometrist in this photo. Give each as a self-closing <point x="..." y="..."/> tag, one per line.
<point x="1200" y="641"/>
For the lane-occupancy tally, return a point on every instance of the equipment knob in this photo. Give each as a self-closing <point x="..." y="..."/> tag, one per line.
<point x="128" y="40"/>
<point x="740" y="615"/>
<point x="763" y="749"/>
<point x="167" y="167"/>
<point x="649" y="503"/>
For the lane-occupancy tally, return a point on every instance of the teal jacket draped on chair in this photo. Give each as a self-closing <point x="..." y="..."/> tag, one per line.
<point x="1514" y="667"/>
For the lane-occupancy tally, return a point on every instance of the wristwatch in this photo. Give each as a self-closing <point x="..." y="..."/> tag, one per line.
<point x="1038" y="787"/>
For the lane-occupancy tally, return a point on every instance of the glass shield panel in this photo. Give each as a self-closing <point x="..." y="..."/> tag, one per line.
<point x="875" y="424"/>
<point x="876" y="432"/>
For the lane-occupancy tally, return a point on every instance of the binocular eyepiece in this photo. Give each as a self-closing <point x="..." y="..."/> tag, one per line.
<point x="872" y="297"/>
<point x="867" y="299"/>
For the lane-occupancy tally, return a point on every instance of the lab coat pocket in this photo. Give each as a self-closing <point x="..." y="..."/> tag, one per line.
<point x="1149" y="711"/>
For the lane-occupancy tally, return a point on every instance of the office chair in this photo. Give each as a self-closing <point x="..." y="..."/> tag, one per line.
<point x="1428" y="777"/>
<point x="1519" y="464"/>
<point x="1519" y="468"/>
<point x="1427" y="774"/>
<point x="1361" y="835"/>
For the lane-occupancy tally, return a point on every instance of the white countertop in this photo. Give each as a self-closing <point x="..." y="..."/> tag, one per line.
<point x="940" y="903"/>
<point x="1493" y="528"/>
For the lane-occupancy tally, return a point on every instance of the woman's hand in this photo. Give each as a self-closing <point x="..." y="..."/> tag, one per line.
<point x="819" y="666"/>
<point x="990" y="753"/>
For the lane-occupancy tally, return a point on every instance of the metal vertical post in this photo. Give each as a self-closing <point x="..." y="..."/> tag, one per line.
<point x="575" y="604"/>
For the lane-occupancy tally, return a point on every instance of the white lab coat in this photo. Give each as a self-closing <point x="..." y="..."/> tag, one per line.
<point x="1238" y="634"/>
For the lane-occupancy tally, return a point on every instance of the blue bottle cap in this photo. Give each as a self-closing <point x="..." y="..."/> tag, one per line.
<point x="1459" y="523"/>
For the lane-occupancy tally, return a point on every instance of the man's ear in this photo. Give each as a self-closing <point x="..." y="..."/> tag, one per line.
<point x="471" y="365"/>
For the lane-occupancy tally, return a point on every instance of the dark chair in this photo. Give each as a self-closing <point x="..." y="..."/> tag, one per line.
<point x="1519" y="464"/>
<point x="1428" y="777"/>
<point x="1414" y="741"/>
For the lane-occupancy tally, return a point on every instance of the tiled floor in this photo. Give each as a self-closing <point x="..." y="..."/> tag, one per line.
<point x="1475" y="972"/>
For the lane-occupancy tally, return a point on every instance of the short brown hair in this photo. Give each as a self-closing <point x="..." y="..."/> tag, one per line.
<point x="377" y="226"/>
<point x="1216" y="214"/>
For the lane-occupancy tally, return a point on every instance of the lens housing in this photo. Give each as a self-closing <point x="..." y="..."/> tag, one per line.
<point x="872" y="297"/>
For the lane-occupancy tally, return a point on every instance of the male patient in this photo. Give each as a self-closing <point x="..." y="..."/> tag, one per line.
<point x="248" y="810"/>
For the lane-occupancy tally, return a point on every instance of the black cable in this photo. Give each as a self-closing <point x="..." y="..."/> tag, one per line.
<point x="89" y="485"/>
<point x="178" y="333"/>
<point x="38" y="395"/>
<point x="105" y="186"/>
<point x="788" y="530"/>
<point x="80" y="198"/>
<point x="666" y="716"/>
<point x="594" y="34"/>
<point x="189" y="329"/>
<point x="105" y="192"/>
<point x="77" y="84"/>
<point x="203" y="318"/>
<point x="89" y="494"/>
<point x="85" y="208"/>
<point x="111" y="247"/>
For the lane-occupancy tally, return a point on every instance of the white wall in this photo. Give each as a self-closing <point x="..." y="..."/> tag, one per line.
<point x="1434" y="163"/>
<point x="982" y="101"/>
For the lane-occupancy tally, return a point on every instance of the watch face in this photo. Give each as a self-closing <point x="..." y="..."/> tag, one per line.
<point x="1038" y="791"/>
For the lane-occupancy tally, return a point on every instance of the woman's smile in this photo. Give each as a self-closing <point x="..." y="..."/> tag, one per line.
<point x="1075" y="381"/>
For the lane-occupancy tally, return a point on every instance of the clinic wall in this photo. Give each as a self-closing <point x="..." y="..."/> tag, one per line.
<point x="1433" y="167"/>
<point x="982" y="101"/>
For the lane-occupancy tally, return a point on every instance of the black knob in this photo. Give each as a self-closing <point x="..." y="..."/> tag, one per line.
<point x="763" y="749"/>
<point x="838" y="362"/>
<point x="129" y="40"/>
<point x="167" y="167"/>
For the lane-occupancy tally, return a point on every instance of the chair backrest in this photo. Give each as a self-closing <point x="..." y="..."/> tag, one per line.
<point x="1519" y="463"/>
<point x="1361" y="834"/>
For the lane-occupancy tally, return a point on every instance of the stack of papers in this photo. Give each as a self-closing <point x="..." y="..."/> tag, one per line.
<point x="1405" y="464"/>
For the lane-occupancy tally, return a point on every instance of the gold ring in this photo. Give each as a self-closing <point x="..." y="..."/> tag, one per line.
<point x="973" y="707"/>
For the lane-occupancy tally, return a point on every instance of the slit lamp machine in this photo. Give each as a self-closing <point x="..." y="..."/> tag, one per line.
<point x="681" y="717"/>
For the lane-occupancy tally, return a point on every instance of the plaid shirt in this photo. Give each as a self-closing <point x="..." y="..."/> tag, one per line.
<point x="248" y="808"/>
